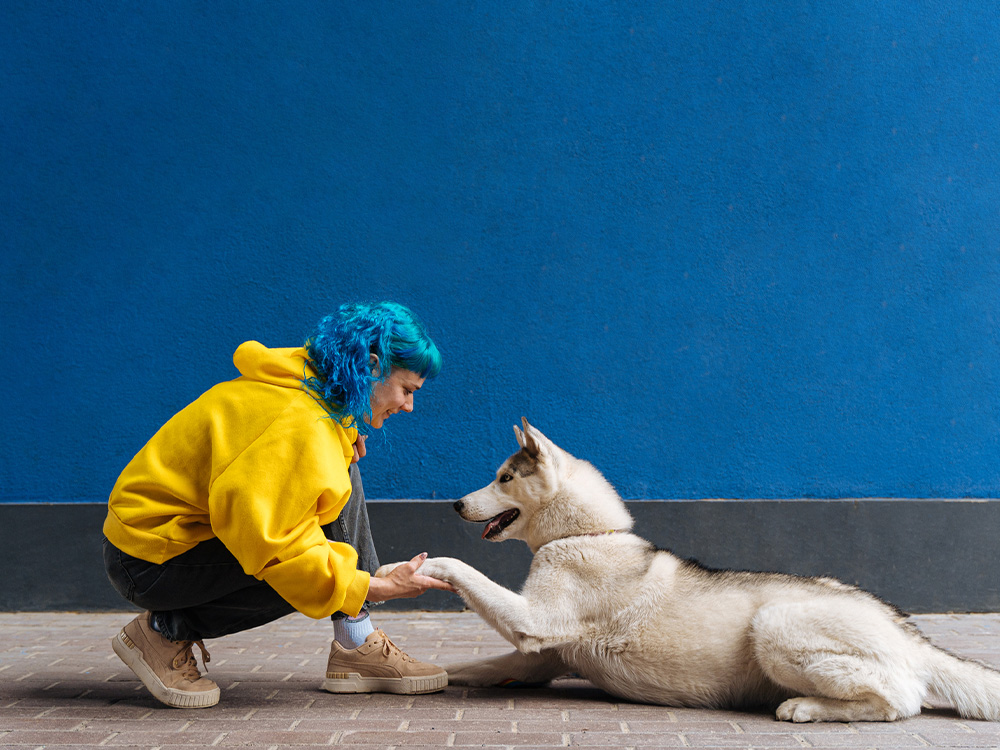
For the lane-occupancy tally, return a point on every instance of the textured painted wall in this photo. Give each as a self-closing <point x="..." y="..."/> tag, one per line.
<point x="720" y="251"/>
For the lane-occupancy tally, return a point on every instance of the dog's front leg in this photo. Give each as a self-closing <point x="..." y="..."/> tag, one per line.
<point x="510" y="670"/>
<point x="510" y="614"/>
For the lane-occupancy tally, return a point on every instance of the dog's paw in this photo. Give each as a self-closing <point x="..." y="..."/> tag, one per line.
<point x="816" y="708"/>
<point x="385" y="570"/>
<point x="801" y="710"/>
<point x="438" y="567"/>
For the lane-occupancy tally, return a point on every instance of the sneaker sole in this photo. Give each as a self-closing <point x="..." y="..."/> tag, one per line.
<point x="352" y="682"/>
<point x="170" y="696"/>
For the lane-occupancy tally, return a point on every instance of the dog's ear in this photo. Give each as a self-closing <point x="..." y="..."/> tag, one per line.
<point x="533" y="441"/>
<point x="519" y="435"/>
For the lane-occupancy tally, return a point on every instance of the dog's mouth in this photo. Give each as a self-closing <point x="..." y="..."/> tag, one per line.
<point x="500" y="522"/>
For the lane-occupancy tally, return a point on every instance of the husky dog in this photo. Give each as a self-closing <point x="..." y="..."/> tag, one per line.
<point x="645" y="625"/>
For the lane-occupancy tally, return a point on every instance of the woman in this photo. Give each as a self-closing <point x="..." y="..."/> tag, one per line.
<point x="247" y="505"/>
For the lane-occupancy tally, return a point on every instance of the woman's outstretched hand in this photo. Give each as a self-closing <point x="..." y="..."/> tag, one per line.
<point x="404" y="582"/>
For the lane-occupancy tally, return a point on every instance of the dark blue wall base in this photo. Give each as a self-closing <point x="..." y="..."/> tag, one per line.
<point x="921" y="555"/>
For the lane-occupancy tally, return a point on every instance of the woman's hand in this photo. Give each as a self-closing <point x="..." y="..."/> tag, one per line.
<point x="404" y="582"/>
<point x="359" y="449"/>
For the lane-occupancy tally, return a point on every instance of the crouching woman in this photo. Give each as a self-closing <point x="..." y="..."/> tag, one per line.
<point x="248" y="505"/>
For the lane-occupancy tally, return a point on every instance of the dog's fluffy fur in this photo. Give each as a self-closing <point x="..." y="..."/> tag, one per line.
<point x="647" y="626"/>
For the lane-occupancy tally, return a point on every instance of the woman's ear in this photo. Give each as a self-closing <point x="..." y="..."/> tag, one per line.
<point x="375" y="365"/>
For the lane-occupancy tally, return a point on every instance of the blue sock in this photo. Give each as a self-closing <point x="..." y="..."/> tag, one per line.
<point x="350" y="632"/>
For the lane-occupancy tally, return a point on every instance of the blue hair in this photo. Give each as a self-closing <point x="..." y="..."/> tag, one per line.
<point x="340" y="352"/>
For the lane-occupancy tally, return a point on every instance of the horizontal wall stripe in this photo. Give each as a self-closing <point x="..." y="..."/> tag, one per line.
<point x="921" y="555"/>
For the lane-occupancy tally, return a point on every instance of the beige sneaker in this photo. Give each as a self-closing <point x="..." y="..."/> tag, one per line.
<point x="167" y="668"/>
<point x="378" y="666"/>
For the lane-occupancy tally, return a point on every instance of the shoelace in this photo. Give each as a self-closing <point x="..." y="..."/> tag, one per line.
<point x="389" y="648"/>
<point x="186" y="662"/>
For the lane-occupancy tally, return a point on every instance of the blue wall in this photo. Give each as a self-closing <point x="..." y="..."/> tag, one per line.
<point x="719" y="251"/>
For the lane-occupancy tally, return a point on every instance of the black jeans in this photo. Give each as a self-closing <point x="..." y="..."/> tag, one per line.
<point x="204" y="593"/>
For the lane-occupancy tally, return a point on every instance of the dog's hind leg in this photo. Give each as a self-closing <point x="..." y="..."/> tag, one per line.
<point x="510" y="670"/>
<point x="845" y="666"/>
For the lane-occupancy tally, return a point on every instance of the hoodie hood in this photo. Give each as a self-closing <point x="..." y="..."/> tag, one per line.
<point x="284" y="367"/>
<point x="255" y="463"/>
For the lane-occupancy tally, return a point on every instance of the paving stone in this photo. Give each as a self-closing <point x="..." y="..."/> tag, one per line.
<point x="61" y="686"/>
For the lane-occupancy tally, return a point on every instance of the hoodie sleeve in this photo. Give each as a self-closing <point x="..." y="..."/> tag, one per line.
<point x="265" y="507"/>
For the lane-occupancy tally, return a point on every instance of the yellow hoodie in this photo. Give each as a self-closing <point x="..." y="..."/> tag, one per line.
<point x="259" y="464"/>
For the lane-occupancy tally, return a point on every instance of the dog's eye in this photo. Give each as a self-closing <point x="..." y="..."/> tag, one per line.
<point x="505" y="478"/>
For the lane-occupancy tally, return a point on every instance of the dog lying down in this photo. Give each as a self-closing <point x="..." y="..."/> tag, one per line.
<point x="645" y="625"/>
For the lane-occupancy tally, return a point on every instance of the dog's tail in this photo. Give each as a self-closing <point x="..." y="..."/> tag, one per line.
<point x="972" y="688"/>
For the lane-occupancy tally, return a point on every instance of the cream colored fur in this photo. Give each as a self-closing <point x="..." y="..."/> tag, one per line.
<point x="645" y="625"/>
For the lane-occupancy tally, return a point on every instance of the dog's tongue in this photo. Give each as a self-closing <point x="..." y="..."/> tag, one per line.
<point x="495" y="522"/>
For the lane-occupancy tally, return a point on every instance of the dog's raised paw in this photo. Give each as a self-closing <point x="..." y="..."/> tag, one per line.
<point x="385" y="570"/>
<point x="438" y="567"/>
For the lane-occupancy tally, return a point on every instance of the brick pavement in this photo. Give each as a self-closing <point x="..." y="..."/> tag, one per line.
<point x="61" y="686"/>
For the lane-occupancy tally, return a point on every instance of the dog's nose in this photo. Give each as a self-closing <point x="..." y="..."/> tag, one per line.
<point x="459" y="504"/>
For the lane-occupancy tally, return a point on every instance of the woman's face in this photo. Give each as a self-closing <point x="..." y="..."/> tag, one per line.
<point x="394" y="395"/>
